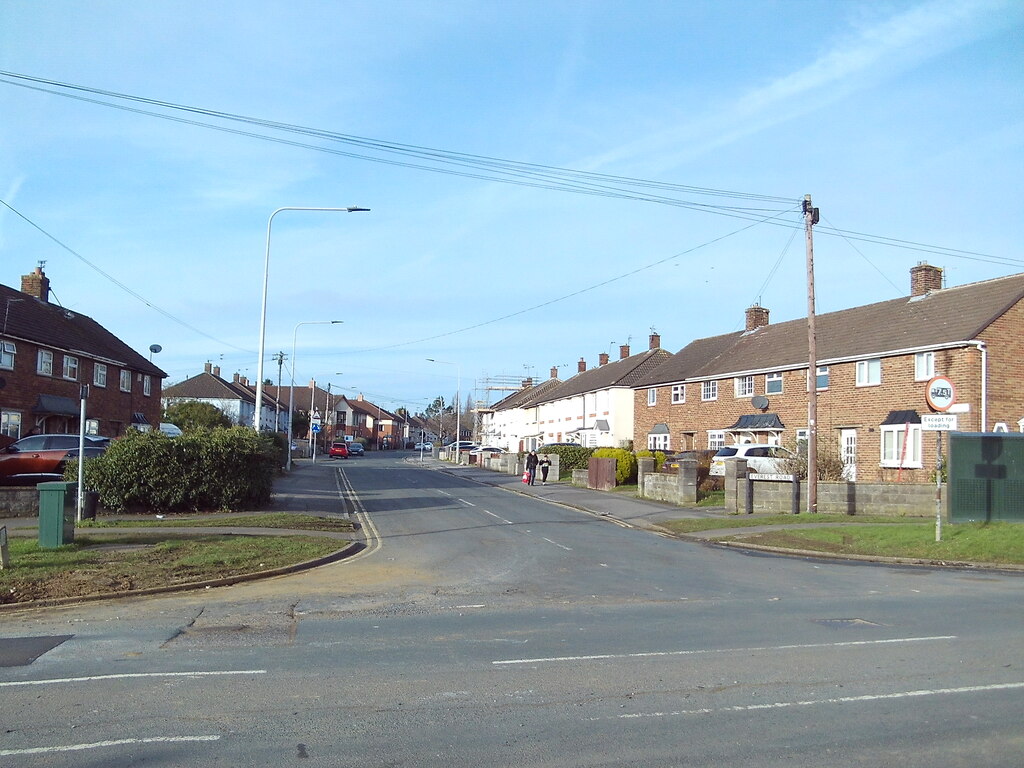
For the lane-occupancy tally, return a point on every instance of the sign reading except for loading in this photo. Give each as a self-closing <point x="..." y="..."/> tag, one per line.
<point x="940" y="393"/>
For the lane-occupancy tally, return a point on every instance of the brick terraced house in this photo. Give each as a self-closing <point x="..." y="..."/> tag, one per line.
<point x="874" y="364"/>
<point x="47" y="353"/>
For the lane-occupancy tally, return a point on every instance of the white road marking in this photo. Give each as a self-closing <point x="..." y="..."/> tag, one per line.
<point x="478" y="605"/>
<point x="549" y="541"/>
<point x="814" y="702"/>
<point x="127" y="675"/>
<point x="698" y="651"/>
<point x="467" y="503"/>
<point x="499" y="517"/>
<point x="101" y="744"/>
<point x="374" y="542"/>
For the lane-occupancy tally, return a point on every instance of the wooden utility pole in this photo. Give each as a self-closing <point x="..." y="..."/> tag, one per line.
<point x="810" y="219"/>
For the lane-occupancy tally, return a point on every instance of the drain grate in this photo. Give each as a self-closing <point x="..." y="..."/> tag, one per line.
<point x="845" y="623"/>
<point x="22" y="651"/>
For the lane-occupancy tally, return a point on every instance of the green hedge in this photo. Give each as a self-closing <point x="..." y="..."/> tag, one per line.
<point x="658" y="456"/>
<point x="202" y="470"/>
<point x="570" y="457"/>
<point x="625" y="463"/>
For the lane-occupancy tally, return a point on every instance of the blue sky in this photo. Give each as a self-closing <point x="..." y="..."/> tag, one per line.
<point x="903" y="120"/>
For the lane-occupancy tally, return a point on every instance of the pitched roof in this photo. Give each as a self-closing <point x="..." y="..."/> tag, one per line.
<point x="370" y="409"/>
<point x="621" y="373"/>
<point x="526" y="397"/>
<point x="206" y="386"/>
<point x="946" y="316"/>
<point x="49" y="325"/>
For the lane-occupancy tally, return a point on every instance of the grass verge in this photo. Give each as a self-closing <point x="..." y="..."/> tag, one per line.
<point x="749" y="521"/>
<point x="270" y="520"/>
<point x="97" y="565"/>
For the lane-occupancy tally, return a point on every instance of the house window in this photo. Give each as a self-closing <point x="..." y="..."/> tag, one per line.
<point x="7" y="353"/>
<point x="92" y="426"/>
<point x="709" y="390"/>
<point x="10" y="424"/>
<point x="147" y="385"/>
<point x="716" y="439"/>
<point x="678" y="393"/>
<point x="71" y="367"/>
<point x="802" y="438"/>
<point x="99" y="375"/>
<point x="901" y="445"/>
<point x="44" y="362"/>
<point x="773" y="384"/>
<point x="652" y="396"/>
<point x="126" y="381"/>
<point x="658" y="442"/>
<point x="821" y="379"/>
<point x="869" y="372"/>
<point x="744" y="386"/>
<point x="924" y="366"/>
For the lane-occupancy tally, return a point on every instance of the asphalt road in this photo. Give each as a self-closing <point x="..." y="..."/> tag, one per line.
<point x="481" y="627"/>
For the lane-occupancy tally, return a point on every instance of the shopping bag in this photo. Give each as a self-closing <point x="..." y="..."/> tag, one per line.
<point x="526" y="477"/>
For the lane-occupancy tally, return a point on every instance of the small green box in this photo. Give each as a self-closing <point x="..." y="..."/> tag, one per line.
<point x="56" y="514"/>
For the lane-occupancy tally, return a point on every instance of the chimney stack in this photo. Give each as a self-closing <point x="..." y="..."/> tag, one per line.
<point x="623" y="351"/>
<point x="208" y="368"/>
<point x="36" y="285"/>
<point x="924" y="278"/>
<point x="602" y="359"/>
<point x="236" y="377"/>
<point x="757" y="317"/>
<point x="581" y="366"/>
<point x="244" y="381"/>
<point x="655" y="341"/>
<point x="216" y="371"/>
<point x="528" y="382"/>
<point x="554" y="371"/>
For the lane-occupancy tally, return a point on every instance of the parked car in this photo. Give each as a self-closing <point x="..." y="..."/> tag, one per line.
<point x="424" y="446"/>
<point x="461" y="445"/>
<point x="171" y="430"/>
<point x="671" y="463"/>
<point x="339" y="450"/>
<point x="37" y="458"/>
<point x="355" y="449"/>
<point x="489" y="450"/>
<point x="767" y="459"/>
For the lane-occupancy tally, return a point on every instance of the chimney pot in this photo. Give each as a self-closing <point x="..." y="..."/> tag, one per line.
<point x="602" y="359"/>
<point x="554" y="371"/>
<point x="581" y="366"/>
<point x="36" y="285"/>
<point x="757" y="317"/>
<point x="208" y="368"/>
<point x="623" y="351"/>
<point x="235" y="379"/>
<point x="216" y="371"/>
<point x="655" y="341"/>
<point x="924" y="278"/>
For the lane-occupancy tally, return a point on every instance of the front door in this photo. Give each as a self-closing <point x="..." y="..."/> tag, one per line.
<point x="848" y="452"/>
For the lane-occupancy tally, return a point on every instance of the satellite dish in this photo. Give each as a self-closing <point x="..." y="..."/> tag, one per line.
<point x="154" y="348"/>
<point x="760" y="402"/>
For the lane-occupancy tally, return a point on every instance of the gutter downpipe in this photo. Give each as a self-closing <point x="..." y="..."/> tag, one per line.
<point x="984" y="381"/>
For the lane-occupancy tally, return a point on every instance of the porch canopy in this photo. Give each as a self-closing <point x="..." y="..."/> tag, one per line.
<point x="758" y="427"/>
<point x="55" y="405"/>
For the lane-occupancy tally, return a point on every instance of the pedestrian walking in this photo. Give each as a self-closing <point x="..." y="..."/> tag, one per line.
<point x="531" y="466"/>
<point x="545" y="465"/>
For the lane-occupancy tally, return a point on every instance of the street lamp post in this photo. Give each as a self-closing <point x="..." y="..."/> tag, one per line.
<point x="458" y="403"/>
<point x="263" y="310"/>
<point x="291" y="386"/>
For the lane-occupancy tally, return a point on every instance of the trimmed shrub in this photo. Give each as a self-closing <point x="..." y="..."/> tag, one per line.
<point x="570" y="457"/>
<point x="625" y="463"/>
<point x="658" y="456"/>
<point x="202" y="470"/>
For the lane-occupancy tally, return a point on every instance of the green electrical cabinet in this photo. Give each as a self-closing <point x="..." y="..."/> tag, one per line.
<point x="986" y="477"/>
<point x="56" y="514"/>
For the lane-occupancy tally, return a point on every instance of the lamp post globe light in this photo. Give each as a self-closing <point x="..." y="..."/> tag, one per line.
<point x="458" y="402"/>
<point x="291" y="385"/>
<point x="263" y="311"/>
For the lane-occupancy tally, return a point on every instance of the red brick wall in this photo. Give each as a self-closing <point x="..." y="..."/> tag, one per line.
<point x="110" y="405"/>
<point x="1005" y="342"/>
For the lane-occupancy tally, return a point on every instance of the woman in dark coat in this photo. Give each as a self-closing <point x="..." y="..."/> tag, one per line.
<point x="531" y="465"/>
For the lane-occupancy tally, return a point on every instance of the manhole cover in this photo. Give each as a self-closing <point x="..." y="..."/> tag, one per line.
<point x="22" y="651"/>
<point x="842" y="623"/>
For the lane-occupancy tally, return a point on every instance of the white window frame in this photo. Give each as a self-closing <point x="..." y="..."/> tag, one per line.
<point x="743" y="386"/>
<point x="44" y="362"/>
<point x="70" y="368"/>
<point x="803" y="437"/>
<point x="770" y="380"/>
<point x="716" y="439"/>
<point x="10" y="424"/>
<point x="891" y="446"/>
<point x="125" y="380"/>
<point x="658" y="442"/>
<point x="147" y="385"/>
<point x="92" y="426"/>
<point x="924" y="366"/>
<point x="869" y="372"/>
<point x="708" y="390"/>
<point x="652" y="396"/>
<point x="678" y="394"/>
<point x="99" y="375"/>
<point x="822" y="371"/>
<point x="8" y="352"/>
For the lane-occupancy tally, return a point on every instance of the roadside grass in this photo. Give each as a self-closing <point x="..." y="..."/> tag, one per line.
<point x="270" y="520"/>
<point x="749" y="521"/>
<point x="999" y="543"/>
<point x="96" y="564"/>
<point x="712" y="499"/>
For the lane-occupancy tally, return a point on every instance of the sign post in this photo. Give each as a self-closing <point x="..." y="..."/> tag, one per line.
<point x="940" y="395"/>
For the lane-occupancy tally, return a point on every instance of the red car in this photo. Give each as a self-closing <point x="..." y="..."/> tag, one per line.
<point x="37" y="458"/>
<point x="338" y="450"/>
